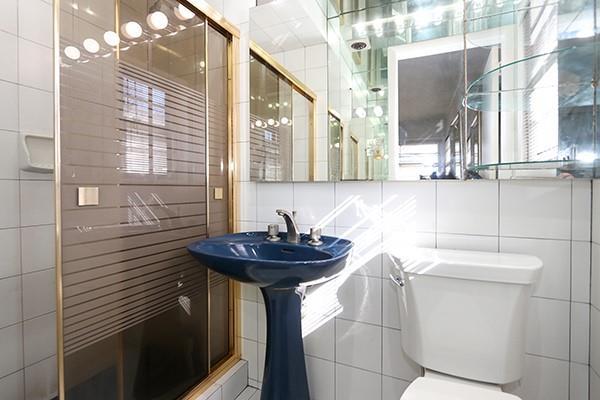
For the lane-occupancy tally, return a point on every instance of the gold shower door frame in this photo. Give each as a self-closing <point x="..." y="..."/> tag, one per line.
<point x="215" y="20"/>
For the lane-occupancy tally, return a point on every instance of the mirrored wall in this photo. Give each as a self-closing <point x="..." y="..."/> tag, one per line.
<point x="281" y="122"/>
<point x="453" y="89"/>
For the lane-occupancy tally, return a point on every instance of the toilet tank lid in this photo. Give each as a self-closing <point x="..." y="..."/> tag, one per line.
<point x="471" y="265"/>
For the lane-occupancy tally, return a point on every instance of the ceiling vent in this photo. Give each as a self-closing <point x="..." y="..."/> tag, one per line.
<point x="359" y="44"/>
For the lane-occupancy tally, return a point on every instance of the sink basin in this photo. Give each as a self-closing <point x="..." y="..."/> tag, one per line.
<point x="279" y="269"/>
<point x="248" y="257"/>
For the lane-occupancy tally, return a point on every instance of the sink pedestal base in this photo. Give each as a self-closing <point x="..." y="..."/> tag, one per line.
<point x="285" y="368"/>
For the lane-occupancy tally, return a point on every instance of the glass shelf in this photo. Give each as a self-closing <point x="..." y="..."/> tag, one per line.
<point x="575" y="168"/>
<point x="565" y="74"/>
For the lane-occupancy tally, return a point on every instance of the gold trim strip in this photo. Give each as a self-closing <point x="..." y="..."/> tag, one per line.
<point x="212" y="15"/>
<point x="60" y="355"/>
<point x="269" y="59"/>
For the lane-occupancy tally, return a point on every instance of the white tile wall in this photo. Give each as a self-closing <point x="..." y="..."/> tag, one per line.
<point x="595" y="296"/>
<point x="363" y="340"/>
<point x="27" y="289"/>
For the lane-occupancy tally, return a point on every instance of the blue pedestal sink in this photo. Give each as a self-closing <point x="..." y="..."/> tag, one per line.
<point x="279" y="269"/>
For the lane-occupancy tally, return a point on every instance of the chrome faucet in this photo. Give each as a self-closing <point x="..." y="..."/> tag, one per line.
<point x="293" y="233"/>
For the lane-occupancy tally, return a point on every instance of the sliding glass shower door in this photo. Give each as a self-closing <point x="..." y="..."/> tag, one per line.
<point x="143" y="172"/>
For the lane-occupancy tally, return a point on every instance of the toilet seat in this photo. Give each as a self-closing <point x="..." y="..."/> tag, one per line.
<point x="434" y="388"/>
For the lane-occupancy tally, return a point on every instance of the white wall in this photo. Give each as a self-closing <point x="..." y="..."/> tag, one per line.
<point x="27" y="289"/>
<point x="357" y="355"/>
<point x="595" y="308"/>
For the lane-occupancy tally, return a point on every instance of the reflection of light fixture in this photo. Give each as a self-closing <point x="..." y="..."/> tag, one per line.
<point x="131" y="30"/>
<point x="259" y="123"/>
<point x="378" y="111"/>
<point x="270" y="105"/>
<point x="72" y="52"/>
<point x="111" y="38"/>
<point x="157" y="20"/>
<point x="202" y="64"/>
<point x="360" y="112"/>
<point x="285" y="103"/>
<point x="183" y="13"/>
<point x="91" y="45"/>
<point x="285" y="120"/>
<point x="271" y="121"/>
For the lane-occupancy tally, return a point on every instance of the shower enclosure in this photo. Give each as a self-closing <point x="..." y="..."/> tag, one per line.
<point x="143" y="161"/>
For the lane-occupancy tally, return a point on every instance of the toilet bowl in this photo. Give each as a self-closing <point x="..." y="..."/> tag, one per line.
<point x="463" y="317"/>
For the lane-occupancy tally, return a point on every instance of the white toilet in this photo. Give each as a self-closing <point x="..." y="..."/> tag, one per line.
<point x="463" y="318"/>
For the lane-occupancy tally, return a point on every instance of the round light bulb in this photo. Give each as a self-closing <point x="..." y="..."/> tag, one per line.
<point x="285" y="120"/>
<point x="259" y="123"/>
<point x="72" y="52"/>
<point x="183" y="13"/>
<point x="131" y="30"/>
<point x="91" y="45"/>
<point x="378" y="111"/>
<point x="271" y="121"/>
<point x="157" y="20"/>
<point x="360" y="112"/>
<point x="111" y="38"/>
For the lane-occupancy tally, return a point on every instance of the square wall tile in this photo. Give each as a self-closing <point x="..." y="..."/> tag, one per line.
<point x="11" y="386"/>
<point x="395" y="362"/>
<point x="37" y="203"/>
<point x="579" y="382"/>
<point x="595" y="344"/>
<point x="247" y="201"/>
<point x="273" y="196"/>
<point x="41" y="380"/>
<point x="358" y="204"/>
<point x="250" y="354"/>
<point x="39" y="293"/>
<point x="11" y="348"/>
<point x="36" y="22"/>
<point x="249" y="320"/>
<point x="580" y="271"/>
<point x="535" y="209"/>
<point x="36" y="111"/>
<point x="234" y="381"/>
<point x="39" y="338"/>
<point x="356" y="384"/>
<point x="366" y="257"/>
<point x="10" y="262"/>
<point x="321" y="378"/>
<point x="580" y="333"/>
<point x="9" y="108"/>
<point x="9" y="163"/>
<point x="409" y="205"/>
<point x="581" y="210"/>
<point x="595" y="295"/>
<point x="360" y="297"/>
<point x="10" y="301"/>
<point x="358" y="345"/>
<point x="315" y="204"/>
<point x="467" y="242"/>
<point x="321" y="342"/>
<point x="8" y="16"/>
<point x="544" y="379"/>
<point x="36" y="74"/>
<point x="556" y="256"/>
<point x="8" y="67"/>
<point x="38" y="247"/>
<point x="9" y="198"/>
<point x="548" y="328"/>
<point x="596" y="212"/>
<point x="467" y="207"/>
<point x="393" y="388"/>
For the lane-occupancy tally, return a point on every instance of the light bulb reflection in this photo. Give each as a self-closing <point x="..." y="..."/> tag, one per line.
<point x="72" y="52"/>
<point x="131" y="30"/>
<point x="157" y="20"/>
<point x="91" y="46"/>
<point x="111" y="38"/>
<point x="183" y="13"/>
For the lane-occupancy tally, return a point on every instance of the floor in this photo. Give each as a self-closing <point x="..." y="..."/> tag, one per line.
<point x="249" y="393"/>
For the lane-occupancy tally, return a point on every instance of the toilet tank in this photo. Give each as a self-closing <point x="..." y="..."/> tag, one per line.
<point x="464" y="313"/>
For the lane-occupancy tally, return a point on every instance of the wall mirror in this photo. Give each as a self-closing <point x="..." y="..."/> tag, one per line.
<point x="452" y="89"/>
<point x="281" y="122"/>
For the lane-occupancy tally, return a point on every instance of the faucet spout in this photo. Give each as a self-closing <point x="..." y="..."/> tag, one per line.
<point x="293" y="233"/>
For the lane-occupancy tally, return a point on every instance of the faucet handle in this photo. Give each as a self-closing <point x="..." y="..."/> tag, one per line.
<point x="315" y="236"/>
<point x="273" y="233"/>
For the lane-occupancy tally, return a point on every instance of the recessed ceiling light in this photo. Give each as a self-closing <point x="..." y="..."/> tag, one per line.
<point x="91" y="45"/>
